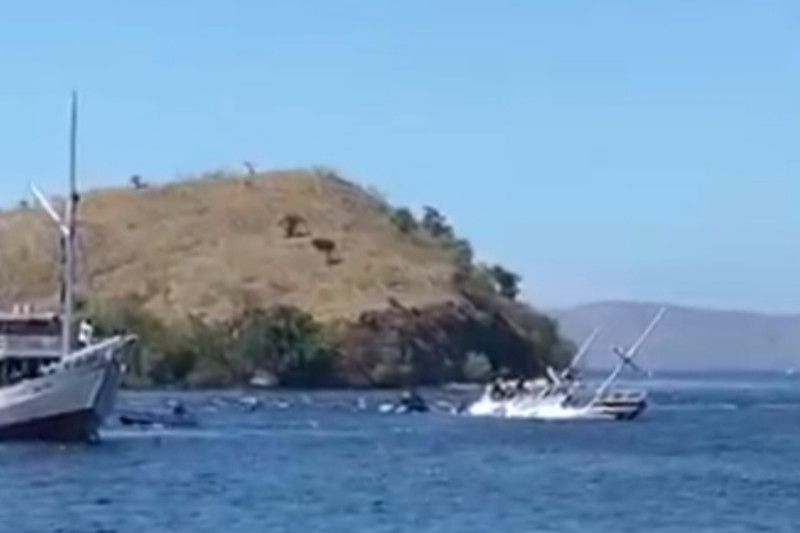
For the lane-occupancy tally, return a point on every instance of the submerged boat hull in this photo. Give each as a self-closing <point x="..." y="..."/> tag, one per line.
<point x="558" y="406"/>
<point x="68" y="402"/>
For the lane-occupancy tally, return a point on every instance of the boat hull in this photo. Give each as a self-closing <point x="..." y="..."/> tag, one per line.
<point x="64" y="427"/>
<point x="68" y="402"/>
<point x="557" y="406"/>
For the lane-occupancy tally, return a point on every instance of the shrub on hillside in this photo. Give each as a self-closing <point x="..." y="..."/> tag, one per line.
<point x="327" y="247"/>
<point x="172" y="366"/>
<point x="128" y="316"/>
<point x="285" y="342"/>
<point x="327" y="173"/>
<point x="462" y="254"/>
<point x="506" y="281"/>
<point x="294" y="225"/>
<point x="137" y="182"/>
<point x="477" y="367"/>
<point x="403" y="219"/>
<point x="543" y="342"/>
<point x="392" y="374"/>
<point x="436" y="224"/>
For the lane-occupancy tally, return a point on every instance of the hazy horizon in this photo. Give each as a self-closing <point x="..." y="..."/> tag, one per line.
<point x="616" y="151"/>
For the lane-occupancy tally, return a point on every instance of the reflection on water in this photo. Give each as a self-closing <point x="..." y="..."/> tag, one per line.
<point x="711" y="455"/>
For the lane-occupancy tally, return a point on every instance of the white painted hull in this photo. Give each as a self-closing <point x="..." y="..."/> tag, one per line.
<point x="71" y="399"/>
<point x="552" y="407"/>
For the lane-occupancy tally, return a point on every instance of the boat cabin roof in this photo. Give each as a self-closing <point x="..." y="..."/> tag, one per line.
<point x="41" y="324"/>
<point x="29" y="336"/>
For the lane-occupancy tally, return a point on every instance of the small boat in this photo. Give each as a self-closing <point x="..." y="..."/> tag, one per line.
<point x="177" y="417"/>
<point x="410" y="402"/>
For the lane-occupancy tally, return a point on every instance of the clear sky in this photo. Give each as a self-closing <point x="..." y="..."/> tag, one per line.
<point x="603" y="149"/>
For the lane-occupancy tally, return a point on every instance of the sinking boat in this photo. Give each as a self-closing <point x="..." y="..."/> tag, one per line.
<point x="563" y="395"/>
<point x="513" y="399"/>
<point x="606" y="402"/>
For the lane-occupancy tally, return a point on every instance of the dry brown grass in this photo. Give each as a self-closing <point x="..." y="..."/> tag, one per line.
<point x="209" y="247"/>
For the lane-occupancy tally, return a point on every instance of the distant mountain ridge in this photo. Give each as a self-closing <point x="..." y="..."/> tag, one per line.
<point x="689" y="338"/>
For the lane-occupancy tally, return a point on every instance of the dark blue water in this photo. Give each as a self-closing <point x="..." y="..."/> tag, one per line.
<point x="711" y="455"/>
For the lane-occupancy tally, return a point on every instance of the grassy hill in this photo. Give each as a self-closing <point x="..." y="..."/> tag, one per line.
<point x="210" y="250"/>
<point x="203" y="247"/>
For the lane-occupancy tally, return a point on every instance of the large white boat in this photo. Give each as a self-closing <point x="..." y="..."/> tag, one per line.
<point x="54" y="386"/>
<point x="47" y="396"/>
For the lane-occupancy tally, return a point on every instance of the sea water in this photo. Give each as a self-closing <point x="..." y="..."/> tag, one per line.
<point x="711" y="454"/>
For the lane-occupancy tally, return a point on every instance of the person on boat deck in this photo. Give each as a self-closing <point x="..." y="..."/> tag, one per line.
<point x="496" y="392"/>
<point x="85" y="333"/>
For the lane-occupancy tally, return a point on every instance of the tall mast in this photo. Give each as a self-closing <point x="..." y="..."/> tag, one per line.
<point x="69" y="235"/>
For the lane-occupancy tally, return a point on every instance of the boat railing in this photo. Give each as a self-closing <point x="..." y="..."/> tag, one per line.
<point x="623" y="395"/>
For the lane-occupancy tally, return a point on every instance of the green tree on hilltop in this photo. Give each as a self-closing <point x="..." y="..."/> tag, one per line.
<point x="507" y="282"/>
<point x="463" y="254"/>
<point x="436" y="224"/>
<point x="403" y="219"/>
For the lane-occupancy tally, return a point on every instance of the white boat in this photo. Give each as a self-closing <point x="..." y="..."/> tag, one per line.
<point x="514" y="399"/>
<point x="561" y="398"/>
<point x="44" y="396"/>
<point x="606" y="402"/>
<point x="617" y="405"/>
<point x="53" y="387"/>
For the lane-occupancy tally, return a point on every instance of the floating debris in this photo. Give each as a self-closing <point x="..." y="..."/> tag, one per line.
<point x="249" y="403"/>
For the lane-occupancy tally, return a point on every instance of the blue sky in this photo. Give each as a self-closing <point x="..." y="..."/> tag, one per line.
<point x="614" y="149"/>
